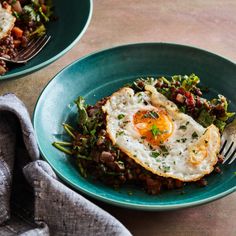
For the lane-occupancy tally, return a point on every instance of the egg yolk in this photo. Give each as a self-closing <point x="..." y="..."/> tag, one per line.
<point x="154" y="126"/>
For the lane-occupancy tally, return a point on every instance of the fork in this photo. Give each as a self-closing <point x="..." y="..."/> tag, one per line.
<point x="228" y="141"/>
<point x="34" y="46"/>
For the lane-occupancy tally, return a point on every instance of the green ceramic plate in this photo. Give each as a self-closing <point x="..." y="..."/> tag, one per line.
<point x="72" y="22"/>
<point x="100" y="74"/>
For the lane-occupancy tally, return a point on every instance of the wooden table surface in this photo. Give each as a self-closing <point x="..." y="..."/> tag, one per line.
<point x="210" y="25"/>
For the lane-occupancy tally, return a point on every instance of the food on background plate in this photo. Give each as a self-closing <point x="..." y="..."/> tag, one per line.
<point x="20" y="21"/>
<point x="154" y="133"/>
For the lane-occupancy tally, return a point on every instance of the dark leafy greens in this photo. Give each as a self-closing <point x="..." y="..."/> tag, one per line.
<point x="38" y="13"/>
<point x="186" y="93"/>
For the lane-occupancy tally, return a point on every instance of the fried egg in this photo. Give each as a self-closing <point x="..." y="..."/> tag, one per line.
<point x="7" y="21"/>
<point x="152" y="131"/>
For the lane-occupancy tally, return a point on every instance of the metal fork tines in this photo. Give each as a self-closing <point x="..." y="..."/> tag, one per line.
<point x="228" y="150"/>
<point x="34" y="46"/>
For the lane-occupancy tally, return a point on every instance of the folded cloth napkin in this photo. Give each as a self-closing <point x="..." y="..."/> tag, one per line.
<point x="33" y="201"/>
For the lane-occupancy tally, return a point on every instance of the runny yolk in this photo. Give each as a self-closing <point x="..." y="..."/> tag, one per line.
<point x="154" y="126"/>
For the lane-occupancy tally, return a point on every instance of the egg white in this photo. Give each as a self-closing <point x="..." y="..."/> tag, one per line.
<point x="182" y="156"/>
<point x="7" y="21"/>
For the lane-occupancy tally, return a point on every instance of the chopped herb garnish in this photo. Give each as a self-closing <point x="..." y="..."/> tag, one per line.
<point x="183" y="127"/>
<point x="118" y="133"/>
<point x="155" y="130"/>
<point x="151" y="114"/>
<point x="163" y="148"/>
<point x="183" y="140"/>
<point x="166" y="168"/>
<point x="120" y="116"/>
<point x="154" y="114"/>
<point x="194" y="135"/>
<point x="140" y="98"/>
<point x="155" y="154"/>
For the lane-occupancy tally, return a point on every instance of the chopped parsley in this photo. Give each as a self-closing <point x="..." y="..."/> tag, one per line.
<point x="155" y="130"/>
<point x="118" y="133"/>
<point x="164" y="150"/>
<point x="151" y="114"/>
<point x="166" y="168"/>
<point x="183" y="140"/>
<point x="155" y="154"/>
<point x="194" y="135"/>
<point x="184" y="127"/>
<point x="120" y="116"/>
<point x="140" y="98"/>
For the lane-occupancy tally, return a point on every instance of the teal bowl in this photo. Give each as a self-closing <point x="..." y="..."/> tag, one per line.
<point x="73" y="20"/>
<point x="100" y="74"/>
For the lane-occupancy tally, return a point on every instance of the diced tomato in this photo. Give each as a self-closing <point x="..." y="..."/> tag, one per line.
<point x="190" y="100"/>
<point x="188" y="94"/>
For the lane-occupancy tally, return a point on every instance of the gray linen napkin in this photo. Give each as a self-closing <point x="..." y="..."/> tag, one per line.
<point x="32" y="199"/>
